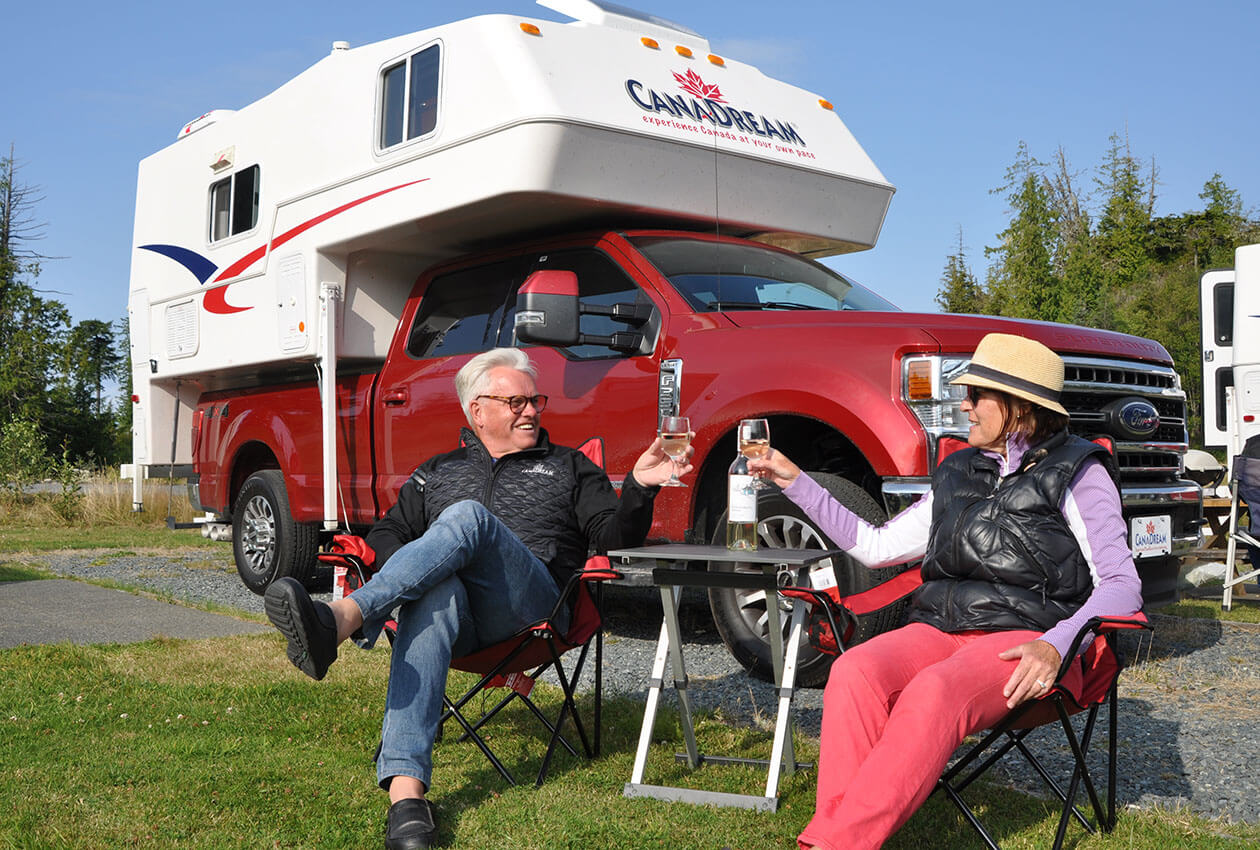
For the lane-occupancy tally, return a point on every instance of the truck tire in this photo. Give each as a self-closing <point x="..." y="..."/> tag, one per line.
<point x="266" y="541"/>
<point x="740" y="615"/>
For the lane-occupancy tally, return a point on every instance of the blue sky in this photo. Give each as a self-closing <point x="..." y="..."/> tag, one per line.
<point x="940" y="95"/>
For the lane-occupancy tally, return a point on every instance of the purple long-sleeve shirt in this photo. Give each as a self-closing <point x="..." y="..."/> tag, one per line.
<point x="1091" y="507"/>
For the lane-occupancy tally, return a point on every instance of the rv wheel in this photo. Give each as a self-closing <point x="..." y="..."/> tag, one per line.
<point x="740" y="615"/>
<point x="266" y="542"/>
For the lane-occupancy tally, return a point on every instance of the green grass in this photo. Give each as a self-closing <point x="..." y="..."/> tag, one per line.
<point x="221" y="743"/>
<point x="42" y="538"/>
<point x="1246" y="609"/>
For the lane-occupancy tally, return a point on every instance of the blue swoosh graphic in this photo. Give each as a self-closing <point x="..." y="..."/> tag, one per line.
<point x="200" y="267"/>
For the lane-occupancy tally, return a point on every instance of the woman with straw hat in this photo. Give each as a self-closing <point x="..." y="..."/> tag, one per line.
<point x="1022" y="542"/>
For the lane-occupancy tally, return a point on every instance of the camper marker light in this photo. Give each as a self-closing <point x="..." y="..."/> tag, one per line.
<point x="825" y="104"/>
<point x="717" y="60"/>
<point x="650" y="42"/>
<point x="919" y="380"/>
<point x="682" y="51"/>
<point x="530" y="29"/>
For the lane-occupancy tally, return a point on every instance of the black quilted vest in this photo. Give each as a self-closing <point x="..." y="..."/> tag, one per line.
<point x="1000" y="554"/>
<point x="531" y="491"/>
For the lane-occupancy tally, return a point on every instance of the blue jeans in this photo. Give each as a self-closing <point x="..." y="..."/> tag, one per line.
<point x="468" y="582"/>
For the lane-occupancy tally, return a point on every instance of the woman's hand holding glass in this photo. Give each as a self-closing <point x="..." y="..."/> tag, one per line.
<point x="775" y="467"/>
<point x="754" y="442"/>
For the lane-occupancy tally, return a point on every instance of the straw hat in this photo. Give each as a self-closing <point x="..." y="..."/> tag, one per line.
<point x="1017" y="365"/>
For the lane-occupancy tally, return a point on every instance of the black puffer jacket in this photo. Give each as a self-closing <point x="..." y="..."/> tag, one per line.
<point x="1001" y="555"/>
<point x="559" y="503"/>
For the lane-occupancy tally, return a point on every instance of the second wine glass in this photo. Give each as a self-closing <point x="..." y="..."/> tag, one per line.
<point x="754" y="442"/>
<point x="675" y="437"/>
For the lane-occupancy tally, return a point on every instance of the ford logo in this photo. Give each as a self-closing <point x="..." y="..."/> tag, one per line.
<point x="1139" y="418"/>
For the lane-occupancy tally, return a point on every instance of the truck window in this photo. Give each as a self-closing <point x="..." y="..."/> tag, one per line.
<point x="234" y="204"/>
<point x="409" y="92"/>
<point x="716" y="276"/>
<point x="462" y="312"/>
<point x="600" y="281"/>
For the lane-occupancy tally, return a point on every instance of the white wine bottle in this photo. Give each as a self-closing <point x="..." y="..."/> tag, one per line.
<point x="741" y="507"/>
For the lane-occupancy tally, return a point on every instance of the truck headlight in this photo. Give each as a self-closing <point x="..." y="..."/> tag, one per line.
<point x="926" y="390"/>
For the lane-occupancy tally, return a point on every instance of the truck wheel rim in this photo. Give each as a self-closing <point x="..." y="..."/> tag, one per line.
<point x="780" y="531"/>
<point x="259" y="537"/>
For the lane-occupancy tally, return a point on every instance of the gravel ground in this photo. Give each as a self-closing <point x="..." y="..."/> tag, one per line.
<point x="1189" y="707"/>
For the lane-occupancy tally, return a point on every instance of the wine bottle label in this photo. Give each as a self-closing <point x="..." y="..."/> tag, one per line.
<point x="741" y="499"/>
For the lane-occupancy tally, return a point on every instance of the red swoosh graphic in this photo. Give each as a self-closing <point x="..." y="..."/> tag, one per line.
<point x="215" y="300"/>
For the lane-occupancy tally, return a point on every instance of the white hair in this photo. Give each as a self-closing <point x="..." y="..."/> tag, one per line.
<point x="472" y="379"/>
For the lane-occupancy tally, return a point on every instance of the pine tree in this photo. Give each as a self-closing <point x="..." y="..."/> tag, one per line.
<point x="1021" y="281"/>
<point x="960" y="292"/>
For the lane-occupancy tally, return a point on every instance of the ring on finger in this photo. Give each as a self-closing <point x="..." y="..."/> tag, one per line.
<point x="1042" y="684"/>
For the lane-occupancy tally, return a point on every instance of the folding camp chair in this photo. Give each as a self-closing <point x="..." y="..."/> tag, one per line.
<point x="1244" y="486"/>
<point x="1100" y="664"/>
<point x="517" y="662"/>
<point x="831" y="625"/>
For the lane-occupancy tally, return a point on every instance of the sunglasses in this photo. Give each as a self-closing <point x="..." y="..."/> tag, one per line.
<point x="516" y="403"/>
<point x="974" y="394"/>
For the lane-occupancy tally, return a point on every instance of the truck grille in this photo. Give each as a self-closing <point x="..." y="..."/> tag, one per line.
<point x="1090" y="385"/>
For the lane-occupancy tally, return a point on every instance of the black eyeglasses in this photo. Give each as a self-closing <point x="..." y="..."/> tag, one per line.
<point x="516" y="403"/>
<point x="974" y="394"/>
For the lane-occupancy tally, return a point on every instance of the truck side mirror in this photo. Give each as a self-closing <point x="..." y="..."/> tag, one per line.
<point x="547" y="309"/>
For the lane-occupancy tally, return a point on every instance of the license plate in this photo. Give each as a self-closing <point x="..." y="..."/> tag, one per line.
<point x="1150" y="536"/>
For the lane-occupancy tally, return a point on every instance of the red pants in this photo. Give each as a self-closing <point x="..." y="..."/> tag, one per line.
<point x="895" y="709"/>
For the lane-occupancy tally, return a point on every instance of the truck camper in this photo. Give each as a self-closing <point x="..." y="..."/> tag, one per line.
<point x="310" y="271"/>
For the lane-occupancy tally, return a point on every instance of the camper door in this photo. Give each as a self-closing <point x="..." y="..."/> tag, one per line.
<point x="1216" y="312"/>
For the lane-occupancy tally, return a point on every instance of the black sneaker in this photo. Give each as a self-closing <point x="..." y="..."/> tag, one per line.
<point x="410" y="825"/>
<point x="309" y="625"/>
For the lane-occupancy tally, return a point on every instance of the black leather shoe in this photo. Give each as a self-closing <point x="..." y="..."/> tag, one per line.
<point x="308" y="625"/>
<point x="410" y="825"/>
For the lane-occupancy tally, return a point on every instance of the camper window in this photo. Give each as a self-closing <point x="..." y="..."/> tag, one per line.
<point x="234" y="204"/>
<point x="409" y="91"/>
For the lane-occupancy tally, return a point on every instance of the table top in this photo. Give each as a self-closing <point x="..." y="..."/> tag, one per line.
<point x="693" y="552"/>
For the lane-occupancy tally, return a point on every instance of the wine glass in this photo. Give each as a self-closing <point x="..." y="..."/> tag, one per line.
<point x="754" y="442"/>
<point x="675" y="437"/>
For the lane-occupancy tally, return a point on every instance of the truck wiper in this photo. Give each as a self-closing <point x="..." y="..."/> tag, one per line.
<point x="759" y="305"/>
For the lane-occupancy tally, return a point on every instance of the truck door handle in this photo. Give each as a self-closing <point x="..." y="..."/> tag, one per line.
<point x="395" y="398"/>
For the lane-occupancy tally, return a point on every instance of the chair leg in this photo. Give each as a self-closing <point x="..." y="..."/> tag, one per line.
<point x="453" y="711"/>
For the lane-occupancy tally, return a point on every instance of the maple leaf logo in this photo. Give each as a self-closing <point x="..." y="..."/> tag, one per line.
<point x="1150" y="528"/>
<point x="692" y="83"/>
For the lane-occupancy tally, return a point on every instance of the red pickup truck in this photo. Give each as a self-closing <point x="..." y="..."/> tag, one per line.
<point x="855" y="390"/>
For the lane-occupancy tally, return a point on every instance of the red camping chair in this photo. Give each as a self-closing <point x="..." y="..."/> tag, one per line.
<point x="1101" y="664"/>
<point x="832" y="615"/>
<point x="517" y="662"/>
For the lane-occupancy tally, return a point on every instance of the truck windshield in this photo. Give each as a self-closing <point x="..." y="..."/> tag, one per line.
<point x="715" y="276"/>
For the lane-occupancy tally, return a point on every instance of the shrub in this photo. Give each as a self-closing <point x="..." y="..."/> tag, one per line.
<point x="23" y="457"/>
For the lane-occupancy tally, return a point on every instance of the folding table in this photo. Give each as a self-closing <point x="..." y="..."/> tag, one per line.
<point x="778" y="568"/>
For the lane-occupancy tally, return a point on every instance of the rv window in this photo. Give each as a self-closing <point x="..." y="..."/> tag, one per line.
<point x="234" y="204"/>
<point x="409" y="91"/>
<point x="1223" y="313"/>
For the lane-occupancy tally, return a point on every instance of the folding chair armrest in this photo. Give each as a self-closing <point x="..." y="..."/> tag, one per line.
<point x="1099" y="626"/>
<point x="828" y="607"/>
<point x="344" y="559"/>
<point x="589" y="574"/>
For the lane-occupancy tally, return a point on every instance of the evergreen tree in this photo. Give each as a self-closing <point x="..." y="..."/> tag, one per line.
<point x="1123" y="241"/>
<point x="1021" y="281"/>
<point x="960" y="292"/>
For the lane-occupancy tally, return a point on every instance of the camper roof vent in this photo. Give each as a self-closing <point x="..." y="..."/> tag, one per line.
<point x="339" y="46"/>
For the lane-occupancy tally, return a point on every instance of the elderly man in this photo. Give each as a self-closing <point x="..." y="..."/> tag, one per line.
<point x="476" y="548"/>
